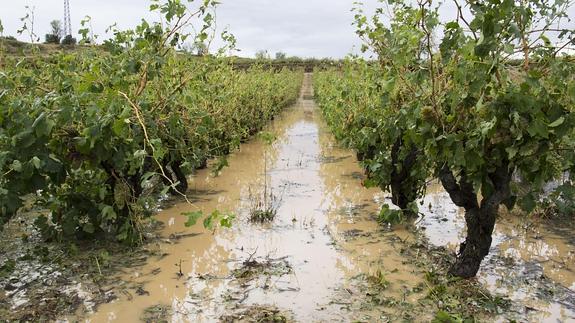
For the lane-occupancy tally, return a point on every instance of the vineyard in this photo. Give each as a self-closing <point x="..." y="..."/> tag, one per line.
<point x="466" y="115"/>
<point x="98" y="138"/>
<point x="433" y="181"/>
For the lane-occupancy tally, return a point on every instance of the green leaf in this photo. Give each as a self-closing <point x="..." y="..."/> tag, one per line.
<point x="538" y="128"/>
<point x="88" y="228"/>
<point x="452" y="25"/>
<point x="119" y="127"/>
<point x="482" y="50"/>
<point x="370" y="183"/>
<point x="220" y="165"/>
<point x="43" y="126"/>
<point x="209" y="221"/>
<point x="121" y="195"/>
<point x="527" y="203"/>
<point x="16" y="166"/>
<point x="24" y="139"/>
<point x="511" y="152"/>
<point x="138" y="154"/>
<point x="557" y="122"/>
<point x="122" y="236"/>
<point x="459" y="156"/>
<point x="443" y="317"/>
<point x="413" y="208"/>
<point x="267" y="137"/>
<point x="192" y="217"/>
<point x="227" y="220"/>
<point x="36" y="162"/>
<point x="108" y="213"/>
<point x="390" y="216"/>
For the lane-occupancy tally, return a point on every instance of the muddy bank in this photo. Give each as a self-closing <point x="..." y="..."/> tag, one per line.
<point x="42" y="281"/>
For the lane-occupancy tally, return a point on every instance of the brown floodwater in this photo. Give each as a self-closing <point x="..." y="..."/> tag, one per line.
<point x="320" y="203"/>
<point x="322" y="237"/>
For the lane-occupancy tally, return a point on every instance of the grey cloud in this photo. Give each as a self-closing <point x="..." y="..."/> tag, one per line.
<point x="306" y="28"/>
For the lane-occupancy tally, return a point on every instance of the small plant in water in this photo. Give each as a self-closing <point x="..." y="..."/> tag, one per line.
<point x="379" y="279"/>
<point x="264" y="207"/>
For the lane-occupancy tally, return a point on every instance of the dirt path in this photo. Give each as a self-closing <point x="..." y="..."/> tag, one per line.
<point x="300" y="266"/>
<point x="321" y="236"/>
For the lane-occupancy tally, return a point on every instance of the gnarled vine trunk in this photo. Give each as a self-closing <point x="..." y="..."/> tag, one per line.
<point x="479" y="218"/>
<point x="403" y="186"/>
<point x="403" y="190"/>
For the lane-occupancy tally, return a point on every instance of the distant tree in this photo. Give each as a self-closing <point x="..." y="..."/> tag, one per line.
<point x="262" y="54"/>
<point x="69" y="40"/>
<point x="281" y="55"/>
<point x="54" y="36"/>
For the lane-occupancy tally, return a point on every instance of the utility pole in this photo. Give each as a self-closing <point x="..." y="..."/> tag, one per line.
<point x="67" y="21"/>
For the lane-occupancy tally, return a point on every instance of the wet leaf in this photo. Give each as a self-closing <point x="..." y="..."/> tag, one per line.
<point x="192" y="218"/>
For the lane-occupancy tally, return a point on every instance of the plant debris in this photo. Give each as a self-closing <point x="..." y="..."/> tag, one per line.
<point x="252" y="268"/>
<point x="258" y="313"/>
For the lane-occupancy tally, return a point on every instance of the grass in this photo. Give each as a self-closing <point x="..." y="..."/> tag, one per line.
<point x="264" y="208"/>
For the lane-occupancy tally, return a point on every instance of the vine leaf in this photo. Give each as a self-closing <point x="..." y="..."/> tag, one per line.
<point x="193" y="218"/>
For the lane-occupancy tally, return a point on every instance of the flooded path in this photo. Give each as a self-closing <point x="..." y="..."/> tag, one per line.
<point x="324" y="235"/>
<point x="319" y="239"/>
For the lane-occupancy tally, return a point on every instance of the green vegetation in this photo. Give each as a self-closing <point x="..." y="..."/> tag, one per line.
<point x="69" y="41"/>
<point x="95" y="138"/>
<point x="462" y="113"/>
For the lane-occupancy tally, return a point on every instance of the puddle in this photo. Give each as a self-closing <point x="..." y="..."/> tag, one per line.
<point x="322" y="236"/>
<point x="302" y="264"/>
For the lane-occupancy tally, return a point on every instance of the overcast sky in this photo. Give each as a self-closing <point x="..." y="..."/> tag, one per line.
<point x="305" y="28"/>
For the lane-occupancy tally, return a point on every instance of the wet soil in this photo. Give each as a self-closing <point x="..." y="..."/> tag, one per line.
<point x="298" y="261"/>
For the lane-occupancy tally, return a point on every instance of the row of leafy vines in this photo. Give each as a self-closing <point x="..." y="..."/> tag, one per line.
<point x="95" y="137"/>
<point x="487" y="110"/>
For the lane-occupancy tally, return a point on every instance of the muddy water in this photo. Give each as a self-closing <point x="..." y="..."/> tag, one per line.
<point x="322" y="236"/>
<point x="319" y="239"/>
